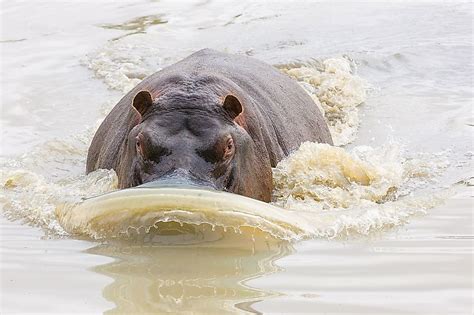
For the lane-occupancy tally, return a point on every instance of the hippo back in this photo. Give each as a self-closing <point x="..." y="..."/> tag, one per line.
<point x="278" y="114"/>
<point x="271" y="99"/>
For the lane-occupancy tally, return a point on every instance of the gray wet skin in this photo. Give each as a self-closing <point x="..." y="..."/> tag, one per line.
<point x="214" y="120"/>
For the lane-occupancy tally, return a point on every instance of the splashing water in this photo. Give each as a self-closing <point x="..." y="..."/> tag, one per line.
<point x="358" y="191"/>
<point x="120" y="69"/>
<point x="337" y="91"/>
<point x="34" y="184"/>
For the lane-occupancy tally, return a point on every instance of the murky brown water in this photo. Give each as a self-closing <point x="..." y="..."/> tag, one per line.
<point x="389" y="211"/>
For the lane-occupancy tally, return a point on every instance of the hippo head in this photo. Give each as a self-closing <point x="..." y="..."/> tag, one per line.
<point x="187" y="139"/>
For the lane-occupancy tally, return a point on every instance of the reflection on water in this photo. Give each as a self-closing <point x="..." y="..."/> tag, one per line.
<point x="12" y="40"/>
<point x="136" y="25"/>
<point x="200" y="278"/>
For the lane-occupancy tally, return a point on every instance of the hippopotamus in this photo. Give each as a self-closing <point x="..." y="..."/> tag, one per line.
<point x="214" y="120"/>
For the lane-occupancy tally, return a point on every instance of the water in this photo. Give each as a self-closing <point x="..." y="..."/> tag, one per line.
<point x="390" y="209"/>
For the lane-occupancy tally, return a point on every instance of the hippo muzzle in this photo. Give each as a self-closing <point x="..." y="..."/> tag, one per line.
<point x="180" y="178"/>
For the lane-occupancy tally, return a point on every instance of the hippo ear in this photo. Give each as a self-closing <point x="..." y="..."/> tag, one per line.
<point x="142" y="101"/>
<point x="232" y="106"/>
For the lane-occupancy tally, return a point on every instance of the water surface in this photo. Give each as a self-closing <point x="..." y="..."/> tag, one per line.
<point x="390" y="207"/>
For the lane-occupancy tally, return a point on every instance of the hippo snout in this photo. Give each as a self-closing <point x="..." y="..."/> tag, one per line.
<point x="181" y="178"/>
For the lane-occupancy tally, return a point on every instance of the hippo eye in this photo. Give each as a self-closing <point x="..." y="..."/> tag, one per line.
<point x="139" y="144"/>
<point x="229" y="148"/>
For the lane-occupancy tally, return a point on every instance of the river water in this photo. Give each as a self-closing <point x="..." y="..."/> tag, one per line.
<point x="388" y="212"/>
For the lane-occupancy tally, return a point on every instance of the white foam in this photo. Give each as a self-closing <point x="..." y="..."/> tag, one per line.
<point x="122" y="65"/>
<point x="338" y="92"/>
<point x="356" y="191"/>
